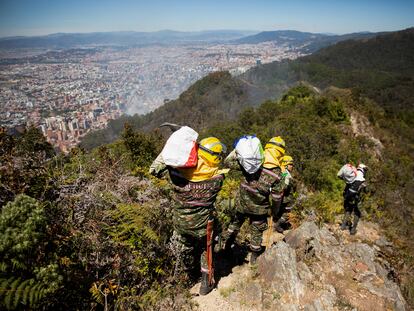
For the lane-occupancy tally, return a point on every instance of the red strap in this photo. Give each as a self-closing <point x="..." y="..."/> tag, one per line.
<point x="193" y="157"/>
<point x="353" y="168"/>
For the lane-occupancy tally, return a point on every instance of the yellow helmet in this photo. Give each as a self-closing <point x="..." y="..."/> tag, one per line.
<point x="278" y="143"/>
<point x="211" y="149"/>
<point x="286" y="160"/>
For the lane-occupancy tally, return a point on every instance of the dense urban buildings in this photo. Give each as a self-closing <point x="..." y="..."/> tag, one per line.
<point x="68" y="93"/>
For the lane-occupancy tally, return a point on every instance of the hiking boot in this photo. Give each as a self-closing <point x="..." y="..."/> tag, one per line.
<point x="205" y="287"/>
<point x="227" y="240"/>
<point x="345" y="221"/>
<point x="253" y="257"/>
<point x="353" y="229"/>
<point x="344" y="225"/>
<point x="278" y="229"/>
<point x="278" y="226"/>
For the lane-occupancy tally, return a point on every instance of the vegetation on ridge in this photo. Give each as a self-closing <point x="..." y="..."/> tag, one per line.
<point x="104" y="241"/>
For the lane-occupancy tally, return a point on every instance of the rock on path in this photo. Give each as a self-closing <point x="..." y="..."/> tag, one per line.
<point x="313" y="269"/>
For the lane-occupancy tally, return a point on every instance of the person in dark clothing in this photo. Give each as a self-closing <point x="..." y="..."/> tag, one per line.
<point x="352" y="198"/>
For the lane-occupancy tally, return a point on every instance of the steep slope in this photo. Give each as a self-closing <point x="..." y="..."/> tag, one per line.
<point x="313" y="269"/>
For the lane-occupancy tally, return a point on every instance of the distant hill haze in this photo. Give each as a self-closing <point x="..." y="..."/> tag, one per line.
<point x="121" y="38"/>
<point x="381" y="68"/>
<point x="312" y="41"/>
<point x="305" y="41"/>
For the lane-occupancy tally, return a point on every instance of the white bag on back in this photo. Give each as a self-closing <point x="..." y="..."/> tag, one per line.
<point x="348" y="173"/>
<point x="249" y="153"/>
<point x="180" y="150"/>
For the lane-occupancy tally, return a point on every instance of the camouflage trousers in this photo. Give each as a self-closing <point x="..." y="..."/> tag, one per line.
<point x="258" y="224"/>
<point x="190" y="253"/>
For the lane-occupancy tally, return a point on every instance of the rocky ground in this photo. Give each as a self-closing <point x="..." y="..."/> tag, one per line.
<point x="312" y="268"/>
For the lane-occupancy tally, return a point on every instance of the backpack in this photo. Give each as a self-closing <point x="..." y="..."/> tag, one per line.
<point x="352" y="191"/>
<point x="180" y="150"/>
<point x="249" y="152"/>
<point x="348" y="173"/>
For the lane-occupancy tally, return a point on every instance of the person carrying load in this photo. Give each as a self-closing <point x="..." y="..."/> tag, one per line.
<point x="355" y="186"/>
<point x="273" y="153"/>
<point x="194" y="192"/>
<point x="252" y="201"/>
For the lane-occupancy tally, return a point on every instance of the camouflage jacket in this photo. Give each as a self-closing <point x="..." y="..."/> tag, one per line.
<point x="255" y="189"/>
<point x="193" y="201"/>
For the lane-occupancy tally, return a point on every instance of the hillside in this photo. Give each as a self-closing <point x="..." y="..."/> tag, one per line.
<point x="99" y="226"/>
<point x="380" y="68"/>
<point x="213" y="99"/>
<point x="306" y="42"/>
<point x="281" y="36"/>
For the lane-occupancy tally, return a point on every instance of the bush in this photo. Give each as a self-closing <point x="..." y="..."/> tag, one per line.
<point x="143" y="148"/>
<point x="27" y="271"/>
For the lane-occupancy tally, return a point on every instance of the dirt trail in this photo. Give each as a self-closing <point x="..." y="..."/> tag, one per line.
<point x="217" y="299"/>
<point x="361" y="126"/>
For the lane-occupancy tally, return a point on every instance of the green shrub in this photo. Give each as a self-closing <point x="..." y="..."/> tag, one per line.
<point x="143" y="148"/>
<point x="27" y="275"/>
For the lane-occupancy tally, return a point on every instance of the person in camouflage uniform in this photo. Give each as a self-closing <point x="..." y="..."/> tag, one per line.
<point x="194" y="193"/>
<point x="286" y="163"/>
<point x="252" y="203"/>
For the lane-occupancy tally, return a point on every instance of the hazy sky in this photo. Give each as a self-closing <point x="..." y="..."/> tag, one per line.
<point x="37" y="17"/>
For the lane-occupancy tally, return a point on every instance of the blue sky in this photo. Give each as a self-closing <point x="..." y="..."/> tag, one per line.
<point x="38" y="17"/>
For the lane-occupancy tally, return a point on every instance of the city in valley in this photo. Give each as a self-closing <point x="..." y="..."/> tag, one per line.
<point x="68" y="93"/>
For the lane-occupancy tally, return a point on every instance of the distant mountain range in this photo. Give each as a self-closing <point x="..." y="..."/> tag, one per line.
<point x="122" y="38"/>
<point x="306" y="41"/>
<point x="381" y="67"/>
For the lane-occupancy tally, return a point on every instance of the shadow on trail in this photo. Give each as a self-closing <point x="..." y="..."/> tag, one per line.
<point x="226" y="260"/>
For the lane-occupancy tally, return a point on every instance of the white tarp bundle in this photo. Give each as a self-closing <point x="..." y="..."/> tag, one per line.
<point x="180" y="150"/>
<point x="348" y="173"/>
<point x="249" y="153"/>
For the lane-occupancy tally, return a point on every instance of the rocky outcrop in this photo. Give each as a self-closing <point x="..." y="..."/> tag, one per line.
<point x="315" y="269"/>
